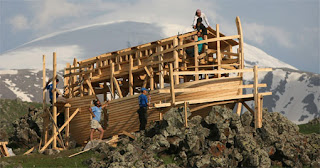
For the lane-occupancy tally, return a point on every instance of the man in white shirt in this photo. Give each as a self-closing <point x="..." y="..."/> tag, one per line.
<point x="201" y="15"/>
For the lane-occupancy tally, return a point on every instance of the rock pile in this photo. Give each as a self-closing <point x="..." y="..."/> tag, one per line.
<point x="27" y="129"/>
<point x="221" y="139"/>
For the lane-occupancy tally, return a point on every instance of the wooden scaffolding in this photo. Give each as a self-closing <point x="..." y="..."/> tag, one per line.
<point x="212" y="77"/>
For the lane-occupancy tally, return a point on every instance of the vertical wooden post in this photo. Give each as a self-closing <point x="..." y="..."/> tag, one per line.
<point x="256" y="97"/>
<point x="111" y="81"/>
<point x="173" y="97"/>
<point x="176" y="60"/>
<point x="66" y="118"/>
<point x="74" y="78"/>
<point x="239" y="28"/>
<point x="54" y="100"/>
<point x="161" y="77"/>
<point x="260" y="110"/>
<point x="205" y="47"/>
<point x="185" y="114"/>
<point x="196" y="62"/>
<point x="67" y="81"/>
<point x="130" y="75"/>
<point x="218" y="50"/>
<point x="105" y="92"/>
<point x="44" y="102"/>
<point x="151" y="78"/>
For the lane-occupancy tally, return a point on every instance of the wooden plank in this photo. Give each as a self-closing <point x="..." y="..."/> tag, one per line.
<point x="147" y="71"/>
<point x="173" y="99"/>
<point x="239" y="28"/>
<point x="128" y="134"/>
<point x="56" y="126"/>
<point x="66" y="117"/>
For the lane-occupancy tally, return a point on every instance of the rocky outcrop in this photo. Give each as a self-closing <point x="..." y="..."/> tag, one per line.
<point x="27" y="129"/>
<point x="221" y="139"/>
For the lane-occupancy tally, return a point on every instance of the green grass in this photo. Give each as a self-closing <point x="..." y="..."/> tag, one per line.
<point x="309" y="128"/>
<point x="11" y="110"/>
<point x="59" y="160"/>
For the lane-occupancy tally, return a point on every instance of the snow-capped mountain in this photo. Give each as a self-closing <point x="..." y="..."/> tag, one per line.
<point x="296" y="94"/>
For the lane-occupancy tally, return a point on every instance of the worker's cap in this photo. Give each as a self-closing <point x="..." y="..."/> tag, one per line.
<point x="144" y="89"/>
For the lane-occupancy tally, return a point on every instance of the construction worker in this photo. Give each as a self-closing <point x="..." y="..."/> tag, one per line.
<point x="201" y="15"/>
<point x="143" y="108"/>
<point x="190" y="51"/>
<point x="96" y="114"/>
<point x="200" y="26"/>
<point x="49" y="87"/>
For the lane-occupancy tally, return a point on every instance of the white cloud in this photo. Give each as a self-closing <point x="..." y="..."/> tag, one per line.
<point x="50" y="10"/>
<point x="260" y="33"/>
<point x="19" y="22"/>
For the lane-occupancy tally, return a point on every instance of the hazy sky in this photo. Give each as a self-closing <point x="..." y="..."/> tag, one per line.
<point x="285" y="29"/>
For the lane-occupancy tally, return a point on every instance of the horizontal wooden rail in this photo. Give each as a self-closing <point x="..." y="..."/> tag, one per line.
<point x="188" y="90"/>
<point x="197" y="101"/>
<point x="219" y="71"/>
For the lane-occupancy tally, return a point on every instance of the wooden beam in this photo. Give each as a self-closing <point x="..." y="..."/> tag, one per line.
<point x="44" y="102"/>
<point x="185" y="114"/>
<point x="191" y="90"/>
<point x="55" y="125"/>
<point x="111" y="81"/>
<point x="60" y="129"/>
<point x="151" y="79"/>
<point x="54" y="100"/>
<point x="248" y="108"/>
<point x="147" y="71"/>
<point x="128" y="134"/>
<point x="256" y="98"/>
<point x="176" y="60"/>
<point x="221" y="71"/>
<point x="117" y="87"/>
<point x="161" y="75"/>
<point x="218" y="50"/>
<point x="130" y="75"/>
<point x="196" y="60"/>
<point x="173" y="97"/>
<point x="66" y="117"/>
<point x="239" y="28"/>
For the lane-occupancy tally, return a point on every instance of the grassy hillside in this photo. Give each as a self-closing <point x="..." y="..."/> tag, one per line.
<point x="309" y="128"/>
<point x="11" y="110"/>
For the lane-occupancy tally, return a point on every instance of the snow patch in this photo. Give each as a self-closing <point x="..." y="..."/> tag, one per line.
<point x="8" y="72"/>
<point x="20" y="94"/>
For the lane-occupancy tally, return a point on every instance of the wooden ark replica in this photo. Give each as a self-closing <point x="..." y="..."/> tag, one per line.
<point x="212" y="77"/>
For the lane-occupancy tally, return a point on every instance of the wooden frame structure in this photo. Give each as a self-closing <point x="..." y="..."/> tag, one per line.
<point x="212" y="77"/>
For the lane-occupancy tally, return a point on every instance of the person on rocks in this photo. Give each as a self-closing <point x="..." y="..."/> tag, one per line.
<point x="190" y="51"/>
<point x="96" y="114"/>
<point x="143" y="104"/>
<point x="49" y="87"/>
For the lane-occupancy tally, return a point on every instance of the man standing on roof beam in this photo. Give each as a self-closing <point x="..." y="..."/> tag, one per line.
<point x="201" y="15"/>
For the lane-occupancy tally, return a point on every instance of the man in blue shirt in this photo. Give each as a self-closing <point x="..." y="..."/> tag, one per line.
<point x="190" y="51"/>
<point x="143" y="104"/>
<point x="96" y="117"/>
<point x="50" y="88"/>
